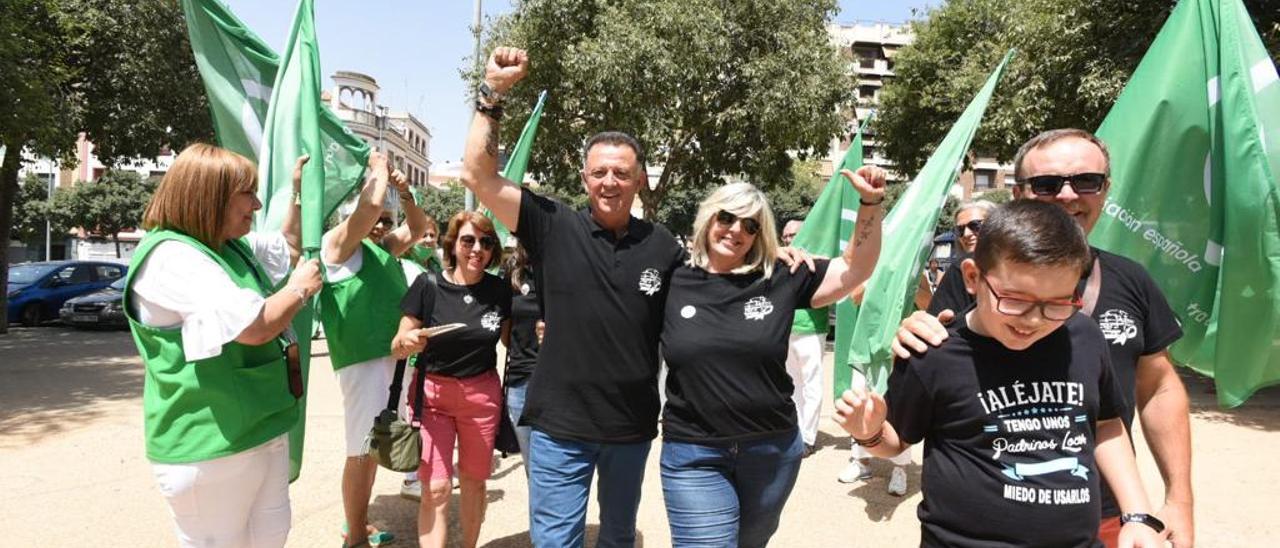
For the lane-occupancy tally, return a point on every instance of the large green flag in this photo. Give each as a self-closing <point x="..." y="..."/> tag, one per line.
<point x="518" y="162"/>
<point x="239" y="74"/>
<point x="825" y="233"/>
<point x="907" y="238"/>
<point x="1195" y="152"/>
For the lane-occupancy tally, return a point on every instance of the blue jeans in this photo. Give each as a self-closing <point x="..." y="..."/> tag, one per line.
<point x="728" y="495"/>
<point x="560" y="473"/>
<point x="515" y="406"/>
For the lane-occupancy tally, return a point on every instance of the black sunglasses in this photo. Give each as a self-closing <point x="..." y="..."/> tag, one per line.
<point x="1051" y="185"/>
<point x="974" y="226"/>
<point x="750" y="225"/>
<point x="487" y="242"/>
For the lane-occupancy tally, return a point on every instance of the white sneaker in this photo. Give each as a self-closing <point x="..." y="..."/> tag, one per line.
<point x="857" y="470"/>
<point x="412" y="490"/>
<point x="898" y="481"/>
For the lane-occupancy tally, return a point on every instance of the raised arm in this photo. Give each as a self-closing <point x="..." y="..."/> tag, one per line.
<point x="505" y="67"/>
<point x="291" y="226"/>
<point x="400" y="240"/>
<point x="859" y="258"/>
<point x="344" y="239"/>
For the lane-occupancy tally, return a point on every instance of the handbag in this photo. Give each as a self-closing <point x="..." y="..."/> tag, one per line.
<point x="395" y="443"/>
<point x="506" y="441"/>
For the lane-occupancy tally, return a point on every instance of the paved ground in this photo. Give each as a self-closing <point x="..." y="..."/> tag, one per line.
<point x="72" y="471"/>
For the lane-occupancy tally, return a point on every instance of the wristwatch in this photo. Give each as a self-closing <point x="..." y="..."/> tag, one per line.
<point x="1145" y="519"/>
<point x="489" y="95"/>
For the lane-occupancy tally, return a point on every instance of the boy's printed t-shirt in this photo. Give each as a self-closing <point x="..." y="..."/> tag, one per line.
<point x="1009" y="436"/>
<point x="1135" y="318"/>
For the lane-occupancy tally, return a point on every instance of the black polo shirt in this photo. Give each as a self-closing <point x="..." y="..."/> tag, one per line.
<point x="602" y="299"/>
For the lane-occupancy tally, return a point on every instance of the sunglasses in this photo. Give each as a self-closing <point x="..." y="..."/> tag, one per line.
<point x="1051" y="185"/>
<point x="386" y="221"/>
<point x="724" y="218"/>
<point x="1051" y="310"/>
<point x="487" y="243"/>
<point x="974" y="226"/>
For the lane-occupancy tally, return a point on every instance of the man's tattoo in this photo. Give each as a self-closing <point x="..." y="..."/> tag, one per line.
<point x="491" y="141"/>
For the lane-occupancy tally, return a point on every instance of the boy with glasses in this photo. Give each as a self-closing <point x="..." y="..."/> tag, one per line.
<point x="1019" y="409"/>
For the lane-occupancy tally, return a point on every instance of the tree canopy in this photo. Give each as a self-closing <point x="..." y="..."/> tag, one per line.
<point x="121" y="71"/>
<point x="103" y="208"/>
<point x="712" y="89"/>
<point x="1074" y="57"/>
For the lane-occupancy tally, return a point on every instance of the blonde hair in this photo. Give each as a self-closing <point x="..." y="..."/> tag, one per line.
<point x="742" y="200"/>
<point x="194" y="195"/>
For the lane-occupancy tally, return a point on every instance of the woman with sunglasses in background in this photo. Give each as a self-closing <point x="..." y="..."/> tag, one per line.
<point x="221" y="390"/>
<point x="731" y="446"/>
<point x="462" y="392"/>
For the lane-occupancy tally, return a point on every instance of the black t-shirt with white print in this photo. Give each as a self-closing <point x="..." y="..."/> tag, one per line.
<point x="724" y="339"/>
<point x="526" y="311"/>
<point x="471" y="350"/>
<point x="1134" y="316"/>
<point x="602" y="300"/>
<point x="1009" y="436"/>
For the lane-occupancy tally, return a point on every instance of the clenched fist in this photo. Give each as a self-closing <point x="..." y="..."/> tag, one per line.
<point x="505" y="67"/>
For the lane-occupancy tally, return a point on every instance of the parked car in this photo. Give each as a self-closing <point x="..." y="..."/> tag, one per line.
<point x="38" y="290"/>
<point x="102" y="308"/>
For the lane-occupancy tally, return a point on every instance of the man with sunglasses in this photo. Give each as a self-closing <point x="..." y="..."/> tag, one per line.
<point x="359" y="308"/>
<point x="950" y="288"/>
<point x="1071" y="168"/>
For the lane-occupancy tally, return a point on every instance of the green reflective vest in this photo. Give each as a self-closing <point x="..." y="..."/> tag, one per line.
<point x="205" y="409"/>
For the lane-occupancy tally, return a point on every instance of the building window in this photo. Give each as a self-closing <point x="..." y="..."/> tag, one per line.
<point x="982" y="179"/>
<point x="867" y="92"/>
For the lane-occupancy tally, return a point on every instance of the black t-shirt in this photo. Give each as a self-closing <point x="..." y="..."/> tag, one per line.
<point x="725" y="342"/>
<point x="1009" y="436"/>
<point x="602" y="301"/>
<point x="526" y="310"/>
<point x="950" y="292"/>
<point x="1134" y="317"/>
<point x="468" y="351"/>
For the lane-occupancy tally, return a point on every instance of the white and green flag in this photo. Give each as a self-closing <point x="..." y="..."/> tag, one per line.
<point x="826" y="233"/>
<point x="907" y="238"/>
<point x="1195" y="152"/>
<point x="239" y="74"/>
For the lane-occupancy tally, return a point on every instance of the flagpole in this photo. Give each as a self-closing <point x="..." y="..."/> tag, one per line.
<point x="469" y="198"/>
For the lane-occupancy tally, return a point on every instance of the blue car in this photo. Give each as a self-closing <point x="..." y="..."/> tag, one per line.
<point x="37" y="290"/>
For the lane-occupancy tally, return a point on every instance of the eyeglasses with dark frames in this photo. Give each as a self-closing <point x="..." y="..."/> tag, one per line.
<point x="488" y="243"/>
<point x="1053" y="310"/>
<point x="974" y="226"/>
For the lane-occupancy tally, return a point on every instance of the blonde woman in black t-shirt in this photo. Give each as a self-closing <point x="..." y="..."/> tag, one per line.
<point x="731" y="447"/>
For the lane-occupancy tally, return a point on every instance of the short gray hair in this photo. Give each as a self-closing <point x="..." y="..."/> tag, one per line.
<point x="985" y="206"/>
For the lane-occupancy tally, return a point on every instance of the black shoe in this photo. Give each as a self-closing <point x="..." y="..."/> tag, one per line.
<point x="809" y="449"/>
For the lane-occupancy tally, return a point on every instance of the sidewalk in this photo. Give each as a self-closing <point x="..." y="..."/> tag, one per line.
<point x="72" y="470"/>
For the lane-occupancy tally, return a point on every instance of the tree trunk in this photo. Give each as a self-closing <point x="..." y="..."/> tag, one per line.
<point x="115" y="237"/>
<point x="8" y="191"/>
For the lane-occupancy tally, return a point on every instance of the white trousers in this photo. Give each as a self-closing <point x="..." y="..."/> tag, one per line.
<point x="240" y="500"/>
<point x="858" y="380"/>
<point x="804" y="364"/>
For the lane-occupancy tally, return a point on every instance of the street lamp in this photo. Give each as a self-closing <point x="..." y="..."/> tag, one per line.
<point x="469" y="199"/>
<point x="48" y="223"/>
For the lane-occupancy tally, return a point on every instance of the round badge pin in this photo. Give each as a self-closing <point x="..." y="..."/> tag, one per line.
<point x="467" y="299"/>
<point x="688" y="311"/>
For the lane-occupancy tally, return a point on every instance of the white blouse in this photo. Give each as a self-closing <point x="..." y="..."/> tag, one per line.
<point x="178" y="285"/>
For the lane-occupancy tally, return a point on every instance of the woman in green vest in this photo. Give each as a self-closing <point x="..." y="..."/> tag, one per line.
<point x="220" y="391"/>
<point x="364" y="282"/>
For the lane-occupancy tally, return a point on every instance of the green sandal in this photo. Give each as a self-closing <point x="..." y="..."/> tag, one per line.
<point x="375" y="539"/>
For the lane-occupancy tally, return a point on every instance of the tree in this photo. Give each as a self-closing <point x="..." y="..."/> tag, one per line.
<point x="1074" y="57"/>
<point x="762" y="81"/>
<point x="30" y="210"/>
<point x="121" y="71"/>
<point x="442" y="204"/>
<point x="103" y="208"/>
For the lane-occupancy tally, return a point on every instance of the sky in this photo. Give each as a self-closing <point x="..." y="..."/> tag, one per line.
<point x="415" y="49"/>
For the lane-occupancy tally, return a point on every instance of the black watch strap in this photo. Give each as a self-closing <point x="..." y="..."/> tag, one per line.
<point x="1145" y="519"/>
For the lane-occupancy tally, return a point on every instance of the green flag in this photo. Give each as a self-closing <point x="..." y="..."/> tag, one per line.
<point x="1195" y="152"/>
<point x="518" y="161"/>
<point x="239" y="74"/>
<point x="825" y="233"/>
<point x="908" y="235"/>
